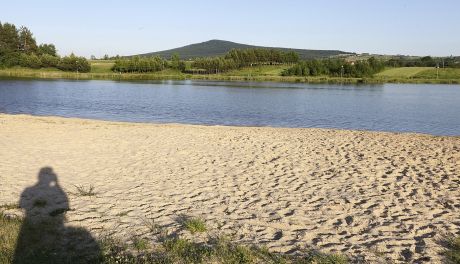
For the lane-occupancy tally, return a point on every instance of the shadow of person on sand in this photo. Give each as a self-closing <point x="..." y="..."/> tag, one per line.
<point x="43" y="237"/>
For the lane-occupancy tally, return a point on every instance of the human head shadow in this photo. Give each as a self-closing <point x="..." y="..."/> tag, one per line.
<point x="43" y="237"/>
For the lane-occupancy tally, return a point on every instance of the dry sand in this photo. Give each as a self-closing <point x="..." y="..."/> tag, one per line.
<point x="365" y="194"/>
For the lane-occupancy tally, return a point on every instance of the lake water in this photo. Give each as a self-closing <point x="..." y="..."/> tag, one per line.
<point x="425" y="108"/>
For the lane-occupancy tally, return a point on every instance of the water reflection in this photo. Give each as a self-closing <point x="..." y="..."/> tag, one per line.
<point x="422" y="108"/>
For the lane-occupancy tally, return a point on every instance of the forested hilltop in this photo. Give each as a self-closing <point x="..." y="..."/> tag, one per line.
<point x="18" y="47"/>
<point x="216" y="48"/>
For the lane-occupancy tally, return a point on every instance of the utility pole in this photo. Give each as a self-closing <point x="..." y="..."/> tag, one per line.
<point x="437" y="71"/>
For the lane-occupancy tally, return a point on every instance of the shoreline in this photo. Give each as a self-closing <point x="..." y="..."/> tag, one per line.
<point x="37" y="74"/>
<point x="172" y="124"/>
<point x="363" y="194"/>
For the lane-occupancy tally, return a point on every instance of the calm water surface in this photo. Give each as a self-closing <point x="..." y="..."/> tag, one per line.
<point x="425" y="108"/>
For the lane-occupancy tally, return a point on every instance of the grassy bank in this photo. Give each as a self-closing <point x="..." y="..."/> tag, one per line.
<point x="452" y="251"/>
<point x="158" y="247"/>
<point x="268" y="73"/>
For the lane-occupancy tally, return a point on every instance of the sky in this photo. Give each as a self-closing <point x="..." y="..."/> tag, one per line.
<point x="91" y="27"/>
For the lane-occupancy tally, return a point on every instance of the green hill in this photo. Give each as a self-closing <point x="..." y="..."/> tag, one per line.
<point x="216" y="47"/>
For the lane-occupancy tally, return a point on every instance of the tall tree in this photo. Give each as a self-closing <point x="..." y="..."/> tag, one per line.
<point x="27" y="41"/>
<point x="49" y="49"/>
<point x="9" y="38"/>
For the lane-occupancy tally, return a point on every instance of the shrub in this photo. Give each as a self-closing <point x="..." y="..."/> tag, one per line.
<point x="30" y="61"/>
<point x="74" y="63"/>
<point x="49" y="61"/>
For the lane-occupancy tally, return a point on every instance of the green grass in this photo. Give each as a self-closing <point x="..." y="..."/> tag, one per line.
<point x="102" y="66"/>
<point x="452" y="252"/>
<point x="161" y="249"/>
<point x="140" y="244"/>
<point x="9" y="230"/>
<point x="402" y="72"/>
<point x="194" y="225"/>
<point x="215" y="250"/>
<point x="263" y="70"/>
<point x="447" y="73"/>
<point x="42" y="244"/>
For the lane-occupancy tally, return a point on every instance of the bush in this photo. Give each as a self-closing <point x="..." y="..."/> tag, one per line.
<point x="30" y="61"/>
<point x="74" y="63"/>
<point x="49" y="61"/>
<point x="9" y="59"/>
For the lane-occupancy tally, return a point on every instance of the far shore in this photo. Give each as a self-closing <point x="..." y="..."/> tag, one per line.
<point x="375" y="196"/>
<point x="175" y="75"/>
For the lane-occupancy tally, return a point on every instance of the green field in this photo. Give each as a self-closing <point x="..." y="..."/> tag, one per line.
<point x="447" y="73"/>
<point x="101" y="66"/>
<point x="263" y="70"/>
<point x="402" y="72"/>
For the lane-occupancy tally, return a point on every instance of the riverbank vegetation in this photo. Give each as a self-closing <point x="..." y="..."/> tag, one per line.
<point x="101" y="70"/>
<point x="18" y="47"/>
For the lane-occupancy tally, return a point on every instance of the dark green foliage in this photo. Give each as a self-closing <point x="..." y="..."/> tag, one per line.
<point x="427" y="61"/>
<point x="238" y="58"/>
<point x="48" y="49"/>
<point x="30" y="60"/>
<point x="138" y="64"/>
<point x="249" y="57"/>
<point x="19" y="48"/>
<point x="214" y="48"/>
<point x="9" y="37"/>
<point x="74" y="63"/>
<point x="27" y="41"/>
<point x="335" y="68"/>
<point x="176" y="63"/>
<point x="49" y="61"/>
<point x="214" y="65"/>
<point x="8" y="59"/>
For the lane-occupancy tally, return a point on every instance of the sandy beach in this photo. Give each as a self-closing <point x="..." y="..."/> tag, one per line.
<point x="370" y="195"/>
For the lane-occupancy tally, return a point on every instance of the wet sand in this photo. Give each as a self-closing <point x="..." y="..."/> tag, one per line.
<point x="365" y="194"/>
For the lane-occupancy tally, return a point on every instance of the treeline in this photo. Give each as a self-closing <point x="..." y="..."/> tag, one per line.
<point x="249" y="57"/>
<point x="336" y="68"/>
<point x="18" y="47"/>
<point x="214" y="64"/>
<point x="147" y="64"/>
<point x="238" y="58"/>
<point x="427" y="61"/>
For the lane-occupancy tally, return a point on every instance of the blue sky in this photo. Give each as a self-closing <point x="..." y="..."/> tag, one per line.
<point x="415" y="27"/>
